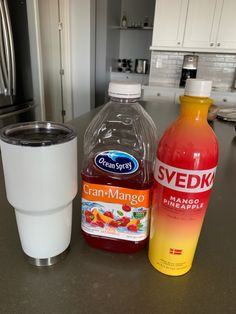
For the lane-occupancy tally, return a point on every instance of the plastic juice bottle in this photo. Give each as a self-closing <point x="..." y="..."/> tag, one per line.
<point x="119" y="151"/>
<point x="185" y="167"/>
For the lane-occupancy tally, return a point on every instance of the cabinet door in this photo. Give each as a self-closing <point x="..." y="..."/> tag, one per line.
<point x="226" y="37"/>
<point x="157" y="94"/>
<point x="224" y="99"/>
<point x="202" y="23"/>
<point x="169" y="23"/>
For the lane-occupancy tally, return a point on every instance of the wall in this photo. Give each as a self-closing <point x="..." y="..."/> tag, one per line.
<point x="36" y="58"/>
<point x="135" y="44"/>
<point x="107" y="45"/>
<point x="56" y="55"/>
<point x="81" y="55"/>
<point x="48" y="15"/>
<point x="137" y="10"/>
<point x="166" y="68"/>
<point x="113" y="37"/>
<point x="112" y="43"/>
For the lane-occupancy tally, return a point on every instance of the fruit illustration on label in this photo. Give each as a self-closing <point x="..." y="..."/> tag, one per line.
<point x="133" y="228"/>
<point x="126" y="208"/>
<point x="123" y="221"/>
<point x="89" y="216"/>
<point x="114" y="224"/>
<point x="109" y="214"/>
<point x="98" y="218"/>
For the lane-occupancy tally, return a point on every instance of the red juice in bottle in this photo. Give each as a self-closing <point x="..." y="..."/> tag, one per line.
<point x="187" y="157"/>
<point x="117" y="174"/>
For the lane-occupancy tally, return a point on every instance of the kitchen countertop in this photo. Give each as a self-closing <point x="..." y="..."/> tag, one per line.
<point x="94" y="281"/>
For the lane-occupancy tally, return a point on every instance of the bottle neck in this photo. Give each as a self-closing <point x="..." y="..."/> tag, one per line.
<point x="124" y="100"/>
<point x="194" y="108"/>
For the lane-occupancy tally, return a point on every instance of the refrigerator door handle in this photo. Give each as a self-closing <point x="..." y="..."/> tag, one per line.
<point x="6" y="47"/>
<point x="12" y="52"/>
<point x="2" y="84"/>
<point x="3" y="67"/>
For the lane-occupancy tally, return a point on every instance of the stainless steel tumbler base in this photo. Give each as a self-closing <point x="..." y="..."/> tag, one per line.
<point x="47" y="261"/>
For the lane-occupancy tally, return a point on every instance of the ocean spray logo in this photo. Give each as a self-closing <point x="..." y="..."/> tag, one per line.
<point x="114" y="161"/>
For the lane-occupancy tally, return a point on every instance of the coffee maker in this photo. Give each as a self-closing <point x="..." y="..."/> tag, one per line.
<point x="189" y="69"/>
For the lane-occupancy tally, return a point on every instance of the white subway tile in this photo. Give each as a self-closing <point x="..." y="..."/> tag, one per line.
<point x="218" y="67"/>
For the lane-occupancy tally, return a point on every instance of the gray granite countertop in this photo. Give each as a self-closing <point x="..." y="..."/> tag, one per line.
<point x="94" y="281"/>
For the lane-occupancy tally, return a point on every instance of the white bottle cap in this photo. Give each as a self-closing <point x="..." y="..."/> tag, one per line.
<point x="197" y="87"/>
<point x="124" y="89"/>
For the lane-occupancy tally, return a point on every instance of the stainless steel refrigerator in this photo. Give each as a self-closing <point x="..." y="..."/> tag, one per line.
<point x="16" y="90"/>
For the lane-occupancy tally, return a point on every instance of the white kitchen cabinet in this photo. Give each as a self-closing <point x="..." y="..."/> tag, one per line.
<point x="204" y="25"/>
<point x="158" y="94"/>
<point x="171" y="95"/>
<point x="224" y="99"/>
<point x="226" y="35"/>
<point x="169" y="23"/>
<point x="211" y="24"/>
<point x="221" y="99"/>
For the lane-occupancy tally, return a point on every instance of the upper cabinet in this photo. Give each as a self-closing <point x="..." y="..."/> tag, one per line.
<point x="169" y="23"/>
<point x="226" y="34"/>
<point x="203" y="25"/>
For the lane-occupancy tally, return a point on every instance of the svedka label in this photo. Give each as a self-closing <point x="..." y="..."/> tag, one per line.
<point x="190" y="181"/>
<point x="114" y="161"/>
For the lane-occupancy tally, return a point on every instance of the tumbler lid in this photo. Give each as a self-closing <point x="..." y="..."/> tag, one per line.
<point x="126" y="90"/>
<point x="37" y="133"/>
<point x="198" y="87"/>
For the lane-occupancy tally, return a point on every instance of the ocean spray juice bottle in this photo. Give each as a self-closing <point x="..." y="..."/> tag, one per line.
<point x="117" y="174"/>
<point x="187" y="157"/>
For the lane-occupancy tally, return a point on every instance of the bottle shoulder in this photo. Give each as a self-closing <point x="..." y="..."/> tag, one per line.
<point x="189" y="147"/>
<point x="189" y="131"/>
<point x="124" y="127"/>
<point x="113" y="108"/>
<point x="141" y="181"/>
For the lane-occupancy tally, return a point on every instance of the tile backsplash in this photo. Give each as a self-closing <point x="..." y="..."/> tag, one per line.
<point x="166" y="67"/>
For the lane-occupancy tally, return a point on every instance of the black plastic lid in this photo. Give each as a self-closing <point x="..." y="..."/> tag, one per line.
<point x="37" y="133"/>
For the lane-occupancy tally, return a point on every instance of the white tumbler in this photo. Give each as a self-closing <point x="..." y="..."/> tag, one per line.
<point x="40" y="170"/>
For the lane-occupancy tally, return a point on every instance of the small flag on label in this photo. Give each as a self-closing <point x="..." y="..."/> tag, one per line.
<point x="175" y="251"/>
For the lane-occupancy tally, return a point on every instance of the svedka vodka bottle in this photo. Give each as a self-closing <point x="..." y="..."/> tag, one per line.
<point x="187" y="157"/>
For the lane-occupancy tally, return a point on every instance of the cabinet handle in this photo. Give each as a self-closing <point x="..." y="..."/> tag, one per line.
<point x="218" y="44"/>
<point x="158" y="94"/>
<point x="211" y="44"/>
<point x="178" y="43"/>
<point x="224" y="100"/>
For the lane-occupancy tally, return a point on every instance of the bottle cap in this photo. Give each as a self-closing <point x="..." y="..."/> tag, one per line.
<point x="197" y="87"/>
<point x="124" y="89"/>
